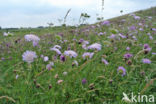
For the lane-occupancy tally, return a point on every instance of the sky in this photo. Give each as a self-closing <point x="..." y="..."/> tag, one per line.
<point x="33" y="13"/>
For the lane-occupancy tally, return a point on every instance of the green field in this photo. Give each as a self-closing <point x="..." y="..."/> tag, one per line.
<point x="128" y="41"/>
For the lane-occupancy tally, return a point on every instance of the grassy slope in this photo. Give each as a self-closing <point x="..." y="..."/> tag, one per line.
<point x="24" y="91"/>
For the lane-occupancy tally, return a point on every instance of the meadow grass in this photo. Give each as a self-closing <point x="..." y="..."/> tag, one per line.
<point x="104" y="84"/>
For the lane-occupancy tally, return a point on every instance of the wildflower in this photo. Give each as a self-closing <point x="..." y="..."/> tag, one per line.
<point x="141" y="29"/>
<point x="81" y="40"/>
<point x="95" y="46"/>
<point x="128" y="55"/>
<point x="57" y="46"/>
<point x="136" y="17"/>
<point x="150" y="37"/>
<point x="50" y="86"/>
<point x="75" y="63"/>
<point x="127" y="48"/>
<point x="70" y="53"/>
<point x="5" y="34"/>
<point x="65" y="73"/>
<point x="153" y="53"/>
<point x="84" y="81"/>
<point x="146" y="61"/>
<point x="87" y="55"/>
<point x="17" y="76"/>
<point x="56" y="76"/>
<point x="129" y="62"/>
<point x="59" y="81"/>
<point x="31" y="37"/>
<point x="107" y="23"/>
<point x="42" y="56"/>
<point x="29" y="56"/>
<point x="101" y="33"/>
<point x="146" y="46"/>
<point x="35" y="43"/>
<point x="122" y="70"/>
<point x="46" y="58"/>
<point x="154" y="29"/>
<point x="62" y="58"/>
<point x="105" y="61"/>
<point x="112" y="36"/>
<point x="56" y="50"/>
<point x="122" y="36"/>
<point x="49" y="66"/>
<point x="132" y="28"/>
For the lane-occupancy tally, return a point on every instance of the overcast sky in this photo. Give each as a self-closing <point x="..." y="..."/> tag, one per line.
<point x="33" y="13"/>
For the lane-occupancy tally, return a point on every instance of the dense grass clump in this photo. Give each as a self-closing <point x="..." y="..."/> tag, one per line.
<point x="92" y="64"/>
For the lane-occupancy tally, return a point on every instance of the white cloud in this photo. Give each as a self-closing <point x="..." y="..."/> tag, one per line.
<point x="71" y="3"/>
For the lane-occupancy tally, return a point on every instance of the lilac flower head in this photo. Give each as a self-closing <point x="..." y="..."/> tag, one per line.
<point x="87" y="55"/>
<point x="56" y="50"/>
<point x="122" y="70"/>
<point x="29" y="56"/>
<point x="146" y="61"/>
<point x="128" y="55"/>
<point x="107" y="23"/>
<point x="101" y="33"/>
<point x="132" y="28"/>
<point x="70" y="53"/>
<point x="95" y="46"/>
<point x="112" y="36"/>
<point x="122" y="36"/>
<point x="46" y="58"/>
<point x="84" y="81"/>
<point x="136" y="17"/>
<point x="105" y="61"/>
<point x="35" y="43"/>
<point x="154" y="29"/>
<point x="81" y="40"/>
<point x="128" y="48"/>
<point x="62" y="58"/>
<point x="31" y="37"/>
<point x="146" y="46"/>
<point x="57" y="46"/>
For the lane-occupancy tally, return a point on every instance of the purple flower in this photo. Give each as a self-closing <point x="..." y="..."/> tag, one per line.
<point x="105" y="61"/>
<point x="95" y="46"/>
<point x="136" y="17"/>
<point x="101" y="33"/>
<point x="46" y="58"/>
<point x="154" y="29"/>
<point x="29" y="56"/>
<point x="56" y="50"/>
<point x="112" y="36"/>
<point x="2" y="58"/>
<point x="122" y="36"/>
<point x="146" y="46"/>
<point x="70" y="53"/>
<point x="87" y="55"/>
<point x="121" y="70"/>
<point x="107" y="23"/>
<point x="35" y="43"/>
<point x="62" y="58"/>
<point x="132" y="28"/>
<point x="81" y="41"/>
<point x="84" y="81"/>
<point x="128" y="48"/>
<point x="128" y="55"/>
<point x="146" y="61"/>
<point x="153" y="53"/>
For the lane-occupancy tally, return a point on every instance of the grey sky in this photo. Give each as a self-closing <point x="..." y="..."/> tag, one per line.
<point x="32" y="13"/>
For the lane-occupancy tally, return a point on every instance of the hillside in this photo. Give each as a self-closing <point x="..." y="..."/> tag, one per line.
<point x="91" y="64"/>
